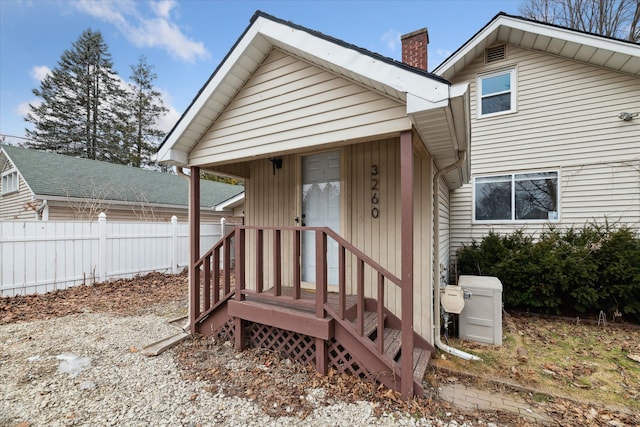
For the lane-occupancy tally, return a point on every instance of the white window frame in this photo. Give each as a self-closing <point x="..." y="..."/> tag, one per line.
<point x="513" y="77"/>
<point x="14" y="188"/>
<point x="513" y="199"/>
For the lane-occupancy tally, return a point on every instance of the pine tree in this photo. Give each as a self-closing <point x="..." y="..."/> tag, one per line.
<point x="81" y="102"/>
<point x="146" y="107"/>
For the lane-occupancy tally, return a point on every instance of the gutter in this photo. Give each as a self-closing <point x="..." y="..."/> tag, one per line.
<point x="436" y="261"/>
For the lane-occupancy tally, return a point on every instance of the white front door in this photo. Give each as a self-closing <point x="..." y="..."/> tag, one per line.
<point x="320" y="208"/>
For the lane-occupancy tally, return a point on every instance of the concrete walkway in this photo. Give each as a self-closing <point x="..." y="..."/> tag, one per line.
<point x="471" y="399"/>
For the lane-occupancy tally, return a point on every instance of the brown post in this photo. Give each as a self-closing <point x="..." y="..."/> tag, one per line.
<point x="296" y="264"/>
<point x="277" y="263"/>
<point x="259" y="261"/>
<point x="321" y="273"/>
<point x="240" y="260"/>
<point x="239" y="332"/>
<point x="406" y="197"/>
<point x="194" y="247"/>
<point x="322" y="358"/>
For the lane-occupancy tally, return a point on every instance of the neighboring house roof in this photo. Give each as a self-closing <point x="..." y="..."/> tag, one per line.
<point x="56" y="176"/>
<point x="437" y="109"/>
<point x="615" y="54"/>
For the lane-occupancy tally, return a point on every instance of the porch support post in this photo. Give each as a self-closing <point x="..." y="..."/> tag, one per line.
<point x="406" y="197"/>
<point x="194" y="247"/>
<point x="322" y="360"/>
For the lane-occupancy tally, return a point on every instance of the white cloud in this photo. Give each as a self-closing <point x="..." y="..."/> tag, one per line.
<point x="166" y="122"/>
<point x="155" y="30"/>
<point x="392" y="39"/>
<point x="40" y="72"/>
<point x="23" y="108"/>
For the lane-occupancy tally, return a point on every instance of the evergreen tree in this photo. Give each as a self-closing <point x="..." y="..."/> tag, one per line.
<point x="81" y="102"/>
<point x="145" y="107"/>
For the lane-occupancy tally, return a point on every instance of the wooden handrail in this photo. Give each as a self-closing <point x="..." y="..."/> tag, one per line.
<point x="210" y="287"/>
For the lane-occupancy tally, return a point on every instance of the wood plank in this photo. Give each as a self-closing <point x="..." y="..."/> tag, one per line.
<point x="282" y="317"/>
<point x="392" y="342"/>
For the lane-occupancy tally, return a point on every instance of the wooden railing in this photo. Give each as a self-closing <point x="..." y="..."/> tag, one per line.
<point x="213" y="280"/>
<point x="216" y="285"/>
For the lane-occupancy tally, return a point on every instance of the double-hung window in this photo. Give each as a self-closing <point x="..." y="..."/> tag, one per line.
<point x="497" y="93"/>
<point x="516" y="197"/>
<point x="10" y="181"/>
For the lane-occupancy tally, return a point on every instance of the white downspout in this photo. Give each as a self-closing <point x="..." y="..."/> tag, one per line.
<point x="436" y="261"/>
<point x="43" y="211"/>
<point x="187" y="326"/>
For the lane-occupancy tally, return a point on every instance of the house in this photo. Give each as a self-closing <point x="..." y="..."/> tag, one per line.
<point x="37" y="185"/>
<point x="343" y="153"/>
<point x="555" y="129"/>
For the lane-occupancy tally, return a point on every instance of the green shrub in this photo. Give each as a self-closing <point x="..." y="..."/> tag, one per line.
<point x="569" y="271"/>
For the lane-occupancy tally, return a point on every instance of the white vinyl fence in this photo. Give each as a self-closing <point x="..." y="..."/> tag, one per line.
<point x="42" y="256"/>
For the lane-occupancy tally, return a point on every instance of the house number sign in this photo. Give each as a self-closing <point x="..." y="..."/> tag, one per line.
<point x="375" y="188"/>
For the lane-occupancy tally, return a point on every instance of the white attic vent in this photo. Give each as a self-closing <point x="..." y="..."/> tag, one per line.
<point x="495" y="53"/>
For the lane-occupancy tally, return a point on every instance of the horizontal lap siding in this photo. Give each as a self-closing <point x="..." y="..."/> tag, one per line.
<point x="18" y="205"/>
<point x="566" y="119"/>
<point x="289" y="104"/>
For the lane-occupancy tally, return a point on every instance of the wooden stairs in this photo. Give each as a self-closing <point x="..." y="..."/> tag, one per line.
<point x="350" y="333"/>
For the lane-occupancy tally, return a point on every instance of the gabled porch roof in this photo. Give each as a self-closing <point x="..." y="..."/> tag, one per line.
<point x="437" y="109"/>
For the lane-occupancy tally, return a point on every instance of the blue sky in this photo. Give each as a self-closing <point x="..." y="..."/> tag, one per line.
<point x="186" y="40"/>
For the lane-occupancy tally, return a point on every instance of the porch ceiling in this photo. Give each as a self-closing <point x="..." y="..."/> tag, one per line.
<point x="428" y="98"/>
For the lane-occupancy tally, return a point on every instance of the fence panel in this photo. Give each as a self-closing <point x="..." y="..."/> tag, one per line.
<point x="38" y="257"/>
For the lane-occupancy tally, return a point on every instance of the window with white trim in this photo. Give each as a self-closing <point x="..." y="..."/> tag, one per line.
<point x="517" y="197"/>
<point x="497" y="93"/>
<point x="10" y="181"/>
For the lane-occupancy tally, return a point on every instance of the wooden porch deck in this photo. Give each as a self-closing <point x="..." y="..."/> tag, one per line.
<point x="351" y="333"/>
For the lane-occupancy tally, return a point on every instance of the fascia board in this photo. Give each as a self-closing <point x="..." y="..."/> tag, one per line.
<point x="167" y="152"/>
<point x="229" y="202"/>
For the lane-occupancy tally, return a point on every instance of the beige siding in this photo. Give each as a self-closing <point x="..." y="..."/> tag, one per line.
<point x="566" y="120"/>
<point x="18" y="205"/>
<point x="289" y="104"/>
<point x="380" y="237"/>
<point x="444" y="228"/>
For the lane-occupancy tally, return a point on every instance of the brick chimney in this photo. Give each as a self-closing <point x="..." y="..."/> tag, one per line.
<point x="414" y="48"/>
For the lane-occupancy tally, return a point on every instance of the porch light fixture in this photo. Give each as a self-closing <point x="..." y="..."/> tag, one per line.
<point x="276" y="162"/>
<point x="627" y="117"/>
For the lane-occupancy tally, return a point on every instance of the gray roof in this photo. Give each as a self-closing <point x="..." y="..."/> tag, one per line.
<point x="57" y="175"/>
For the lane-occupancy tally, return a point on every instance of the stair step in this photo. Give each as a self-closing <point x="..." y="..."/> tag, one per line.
<point x="421" y="359"/>
<point x="392" y="342"/>
<point x="370" y="322"/>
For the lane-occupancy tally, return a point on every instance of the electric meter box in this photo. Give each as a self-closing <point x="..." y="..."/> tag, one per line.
<point x="481" y="317"/>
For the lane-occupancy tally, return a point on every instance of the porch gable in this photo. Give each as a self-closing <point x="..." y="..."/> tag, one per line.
<point x="288" y="105"/>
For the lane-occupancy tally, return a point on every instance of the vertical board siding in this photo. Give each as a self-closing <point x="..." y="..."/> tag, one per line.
<point x="290" y="104"/>
<point x="38" y="257"/>
<point x="271" y="200"/>
<point x="379" y="237"/>
<point x="566" y="120"/>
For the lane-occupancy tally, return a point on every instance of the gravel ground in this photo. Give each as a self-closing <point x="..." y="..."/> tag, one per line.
<point x="86" y="369"/>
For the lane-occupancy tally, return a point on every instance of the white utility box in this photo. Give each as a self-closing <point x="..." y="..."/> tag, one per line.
<point x="481" y="318"/>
